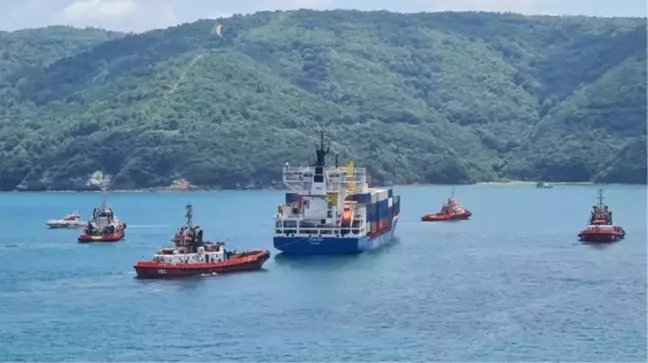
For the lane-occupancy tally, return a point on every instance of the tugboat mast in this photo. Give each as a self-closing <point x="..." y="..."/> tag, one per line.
<point x="104" y="184"/>
<point x="189" y="215"/>
<point x="600" y="198"/>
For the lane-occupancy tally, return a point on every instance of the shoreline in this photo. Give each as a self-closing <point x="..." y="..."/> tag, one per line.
<point x="215" y="189"/>
<point x="521" y="182"/>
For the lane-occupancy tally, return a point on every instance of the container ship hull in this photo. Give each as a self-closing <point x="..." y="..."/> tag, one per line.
<point x="334" y="245"/>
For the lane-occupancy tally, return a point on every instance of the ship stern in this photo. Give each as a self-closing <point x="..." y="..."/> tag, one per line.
<point x="317" y="245"/>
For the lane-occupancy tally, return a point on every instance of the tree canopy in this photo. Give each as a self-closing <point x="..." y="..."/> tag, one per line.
<point x="415" y="98"/>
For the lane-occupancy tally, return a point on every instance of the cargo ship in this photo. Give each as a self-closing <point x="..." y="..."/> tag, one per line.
<point x="331" y="210"/>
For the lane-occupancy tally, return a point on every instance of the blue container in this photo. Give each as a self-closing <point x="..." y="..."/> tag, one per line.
<point x="364" y="198"/>
<point x="383" y="206"/>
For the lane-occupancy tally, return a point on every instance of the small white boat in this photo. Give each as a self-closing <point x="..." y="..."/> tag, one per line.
<point x="72" y="220"/>
<point x="544" y="185"/>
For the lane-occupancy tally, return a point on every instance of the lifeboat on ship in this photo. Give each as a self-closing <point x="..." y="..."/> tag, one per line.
<point x="600" y="228"/>
<point x="450" y="211"/>
<point x="104" y="227"/>
<point x="192" y="256"/>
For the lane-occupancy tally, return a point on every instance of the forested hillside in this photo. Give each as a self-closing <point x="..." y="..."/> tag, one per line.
<point x="416" y="98"/>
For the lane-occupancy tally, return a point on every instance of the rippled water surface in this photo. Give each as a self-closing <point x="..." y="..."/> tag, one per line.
<point x="511" y="284"/>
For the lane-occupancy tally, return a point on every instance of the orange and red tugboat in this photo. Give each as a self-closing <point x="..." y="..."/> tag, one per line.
<point x="600" y="228"/>
<point x="451" y="211"/>
<point x="191" y="256"/>
<point x="104" y="226"/>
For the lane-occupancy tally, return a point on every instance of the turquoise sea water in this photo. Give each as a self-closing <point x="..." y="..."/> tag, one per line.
<point x="513" y="283"/>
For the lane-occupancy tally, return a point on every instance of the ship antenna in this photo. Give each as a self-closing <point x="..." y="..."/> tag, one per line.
<point x="601" y="197"/>
<point x="189" y="215"/>
<point x="103" y="193"/>
<point x="336" y="160"/>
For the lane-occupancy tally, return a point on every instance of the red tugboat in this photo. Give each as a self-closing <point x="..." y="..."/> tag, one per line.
<point x="600" y="228"/>
<point x="191" y="256"/>
<point x="451" y="211"/>
<point x="104" y="226"/>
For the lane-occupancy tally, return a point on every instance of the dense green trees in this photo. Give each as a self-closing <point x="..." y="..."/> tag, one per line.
<point x="441" y="98"/>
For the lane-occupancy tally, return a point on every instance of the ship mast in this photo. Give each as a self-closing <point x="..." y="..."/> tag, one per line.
<point x="103" y="186"/>
<point x="321" y="152"/>
<point x="103" y="195"/>
<point x="600" y="198"/>
<point x="189" y="215"/>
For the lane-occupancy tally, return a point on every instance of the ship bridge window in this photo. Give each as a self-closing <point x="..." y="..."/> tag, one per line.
<point x="319" y="175"/>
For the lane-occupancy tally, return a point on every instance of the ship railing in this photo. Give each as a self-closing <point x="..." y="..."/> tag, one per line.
<point x="322" y="231"/>
<point x="310" y="168"/>
<point x="301" y="173"/>
<point x="300" y="186"/>
<point x="306" y="181"/>
<point x="359" y="214"/>
<point x="299" y="223"/>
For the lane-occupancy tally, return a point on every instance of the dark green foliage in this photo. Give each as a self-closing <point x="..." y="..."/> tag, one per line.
<point x="418" y="98"/>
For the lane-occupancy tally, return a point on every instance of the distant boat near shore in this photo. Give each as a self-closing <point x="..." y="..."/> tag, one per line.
<point x="544" y="185"/>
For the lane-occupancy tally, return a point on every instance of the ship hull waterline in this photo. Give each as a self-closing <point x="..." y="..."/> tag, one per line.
<point x="333" y="245"/>
<point x="156" y="270"/>
<point x="598" y="237"/>
<point x="106" y="238"/>
<point x="446" y="217"/>
<point x="64" y="226"/>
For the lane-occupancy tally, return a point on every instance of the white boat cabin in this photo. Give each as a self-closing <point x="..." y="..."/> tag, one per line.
<point x="172" y="256"/>
<point x="601" y="227"/>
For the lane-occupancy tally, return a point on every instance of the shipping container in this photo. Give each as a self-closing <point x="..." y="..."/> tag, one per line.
<point x="377" y="209"/>
<point x="383" y="206"/>
<point x="374" y="196"/>
<point x="374" y="212"/>
<point x="362" y="198"/>
<point x="367" y="212"/>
